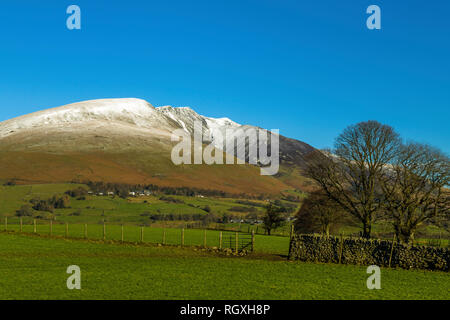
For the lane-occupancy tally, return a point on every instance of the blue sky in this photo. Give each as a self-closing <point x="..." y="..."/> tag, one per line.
<point x="309" y="68"/>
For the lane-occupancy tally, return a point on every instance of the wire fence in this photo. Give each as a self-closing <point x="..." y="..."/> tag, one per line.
<point x="236" y="241"/>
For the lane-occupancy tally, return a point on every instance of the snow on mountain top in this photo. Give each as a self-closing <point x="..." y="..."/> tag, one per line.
<point x="131" y="111"/>
<point x="173" y="108"/>
<point x="219" y="121"/>
<point x="103" y="108"/>
<point x="164" y="107"/>
<point x="108" y="106"/>
<point x="223" y="121"/>
<point x="186" y="114"/>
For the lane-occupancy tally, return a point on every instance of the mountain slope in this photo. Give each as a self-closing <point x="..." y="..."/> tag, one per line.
<point x="125" y="140"/>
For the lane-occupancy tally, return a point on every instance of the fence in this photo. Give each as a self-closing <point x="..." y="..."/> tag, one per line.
<point x="236" y="241"/>
<point x="244" y="227"/>
<point x="315" y="248"/>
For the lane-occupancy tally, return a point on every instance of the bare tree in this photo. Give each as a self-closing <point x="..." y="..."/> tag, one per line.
<point x="415" y="188"/>
<point x="318" y="213"/>
<point x="349" y="173"/>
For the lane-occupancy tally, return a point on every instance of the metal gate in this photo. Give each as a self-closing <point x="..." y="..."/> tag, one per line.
<point x="237" y="240"/>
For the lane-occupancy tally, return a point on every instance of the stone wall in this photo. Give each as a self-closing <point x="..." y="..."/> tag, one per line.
<point x="316" y="248"/>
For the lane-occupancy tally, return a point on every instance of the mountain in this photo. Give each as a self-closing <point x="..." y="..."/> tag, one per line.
<point x="129" y="141"/>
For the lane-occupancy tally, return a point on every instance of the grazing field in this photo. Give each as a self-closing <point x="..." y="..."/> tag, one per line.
<point x="192" y="237"/>
<point x="114" y="209"/>
<point x="34" y="267"/>
<point x="94" y="209"/>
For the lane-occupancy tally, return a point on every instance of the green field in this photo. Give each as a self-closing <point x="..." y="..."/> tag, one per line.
<point x="136" y="210"/>
<point x="112" y="208"/>
<point x="33" y="267"/>
<point x="33" y="262"/>
<point x="192" y="237"/>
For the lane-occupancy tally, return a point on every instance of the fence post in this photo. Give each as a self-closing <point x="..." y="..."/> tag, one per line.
<point x="204" y="238"/>
<point x="182" y="236"/>
<point x="51" y="227"/>
<point x="164" y="236"/>
<point x="392" y="250"/>
<point x="85" y="231"/>
<point x="121" y="233"/>
<point x="142" y="234"/>
<point x="104" y="231"/>
<point x="220" y="240"/>
<point x="256" y="229"/>
<point x="21" y="228"/>
<point x="67" y="230"/>
<point x="253" y="240"/>
<point x="6" y="223"/>
<point x="34" y="225"/>
<point x="236" y="239"/>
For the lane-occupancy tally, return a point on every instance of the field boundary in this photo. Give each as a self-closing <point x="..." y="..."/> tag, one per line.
<point x="386" y="253"/>
<point x="237" y="243"/>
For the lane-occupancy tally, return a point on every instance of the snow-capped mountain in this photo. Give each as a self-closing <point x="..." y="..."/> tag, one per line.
<point x="291" y="150"/>
<point x="118" y="128"/>
<point x="135" y="113"/>
<point x="124" y="116"/>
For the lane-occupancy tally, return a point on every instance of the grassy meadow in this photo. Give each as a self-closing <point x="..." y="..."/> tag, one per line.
<point x="33" y="262"/>
<point x="277" y="245"/>
<point x="33" y="267"/>
<point x="113" y="209"/>
<point x="135" y="211"/>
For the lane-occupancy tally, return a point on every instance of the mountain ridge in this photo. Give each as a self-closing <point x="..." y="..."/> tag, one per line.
<point x="116" y="128"/>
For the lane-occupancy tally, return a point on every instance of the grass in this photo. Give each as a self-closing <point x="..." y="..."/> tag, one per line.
<point x="35" y="268"/>
<point x="113" y="209"/>
<point x="425" y="234"/>
<point x="192" y="237"/>
<point x="132" y="161"/>
<point x="135" y="211"/>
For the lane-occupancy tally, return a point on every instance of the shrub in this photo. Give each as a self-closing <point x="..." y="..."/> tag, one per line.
<point x="43" y="205"/>
<point x="76" y="213"/>
<point x="25" y="211"/>
<point x="76" y="193"/>
<point x="60" y="202"/>
<point x="170" y="199"/>
<point x="242" y="209"/>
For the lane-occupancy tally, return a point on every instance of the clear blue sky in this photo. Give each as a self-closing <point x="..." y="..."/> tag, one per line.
<point x="309" y="68"/>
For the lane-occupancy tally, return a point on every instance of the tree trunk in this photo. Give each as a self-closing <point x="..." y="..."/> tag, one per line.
<point x="367" y="228"/>
<point x="405" y="234"/>
<point x="326" y="230"/>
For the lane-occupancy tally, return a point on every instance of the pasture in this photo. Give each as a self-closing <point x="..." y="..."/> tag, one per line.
<point x="113" y="208"/>
<point x="33" y="267"/>
<point x="170" y="236"/>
